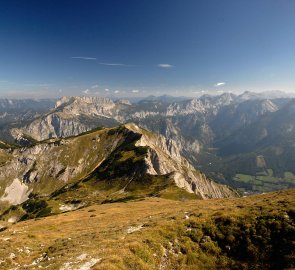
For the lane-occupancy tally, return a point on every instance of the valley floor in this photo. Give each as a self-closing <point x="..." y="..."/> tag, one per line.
<point x="159" y="234"/>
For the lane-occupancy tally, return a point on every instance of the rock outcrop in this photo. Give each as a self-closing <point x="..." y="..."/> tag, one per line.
<point x="164" y="157"/>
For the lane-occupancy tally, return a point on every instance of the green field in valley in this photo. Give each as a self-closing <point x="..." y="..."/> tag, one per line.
<point x="264" y="181"/>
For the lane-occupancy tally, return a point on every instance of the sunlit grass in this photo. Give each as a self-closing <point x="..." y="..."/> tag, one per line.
<point x="163" y="233"/>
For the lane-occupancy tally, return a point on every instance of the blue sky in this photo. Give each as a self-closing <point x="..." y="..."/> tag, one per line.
<point x="142" y="47"/>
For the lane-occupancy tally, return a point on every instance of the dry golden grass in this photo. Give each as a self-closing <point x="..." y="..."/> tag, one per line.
<point x="116" y="234"/>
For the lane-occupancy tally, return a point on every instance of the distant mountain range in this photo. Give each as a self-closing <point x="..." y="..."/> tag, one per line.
<point x="245" y="140"/>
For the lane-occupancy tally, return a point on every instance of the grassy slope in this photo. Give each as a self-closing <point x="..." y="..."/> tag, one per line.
<point x="252" y="232"/>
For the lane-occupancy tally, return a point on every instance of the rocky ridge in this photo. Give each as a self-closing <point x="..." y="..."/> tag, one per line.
<point x="128" y="159"/>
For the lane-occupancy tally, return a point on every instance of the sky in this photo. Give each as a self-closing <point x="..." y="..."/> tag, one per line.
<point x="142" y="47"/>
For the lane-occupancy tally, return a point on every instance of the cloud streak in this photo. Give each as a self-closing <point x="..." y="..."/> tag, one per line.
<point x="115" y="64"/>
<point x="219" y="84"/>
<point x="83" y="57"/>
<point x="101" y="63"/>
<point x="165" y="66"/>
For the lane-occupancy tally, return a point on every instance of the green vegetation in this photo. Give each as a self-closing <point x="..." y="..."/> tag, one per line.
<point x="248" y="242"/>
<point x="5" y="145"/>
<point x="247" y="170"/>
<point x="32" y="208"/>
<point x="289" y="176"/>
<point x="123" y="199"/>
<point x="4" y="157"/>
<point x="35" y="208"/>
<point x="126" y="158"/>
<point x="174" y="193"/>
<point x="264" y="181"/>
<point x="86" y="132"/>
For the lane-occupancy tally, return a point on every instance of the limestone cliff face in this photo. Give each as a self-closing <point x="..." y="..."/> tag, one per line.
<point x="86" y="105"/>
<point x="164" y="158"/>
<point x="52" y="126"/>
<point x="203" y="105"/>
<point x="72" y="116"/>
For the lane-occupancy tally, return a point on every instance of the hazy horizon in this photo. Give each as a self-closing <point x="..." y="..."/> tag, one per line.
<point x="142" y="95"/>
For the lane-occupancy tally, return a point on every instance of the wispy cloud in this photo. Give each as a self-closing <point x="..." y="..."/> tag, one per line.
<point x="165" y="66"/>
<point x="116" y="92"/>
<point x="86" y="91"/>
<point x="107" y="90"/>
<point x="115" y="64"/>
<point x="94" y="86"/>
<point x="135" y="91"/>
<point x="219" y="84"/>
<point x="101" y="63"/>
<point x="83" y="57"/>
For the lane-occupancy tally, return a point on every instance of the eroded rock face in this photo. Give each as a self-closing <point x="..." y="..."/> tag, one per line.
<point x="47" y="166"/>
<point x="16" y="193"/>
<point x="29" y="166"/>
<point x="52" y="126"/>
<point x="164" y="158"/>
<point x="72" y="116"/>
<point x="89" y="106"/>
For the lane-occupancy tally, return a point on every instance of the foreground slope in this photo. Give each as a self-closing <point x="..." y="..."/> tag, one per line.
<point x="96" y="167"/>
<point x="254" y="232"/>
